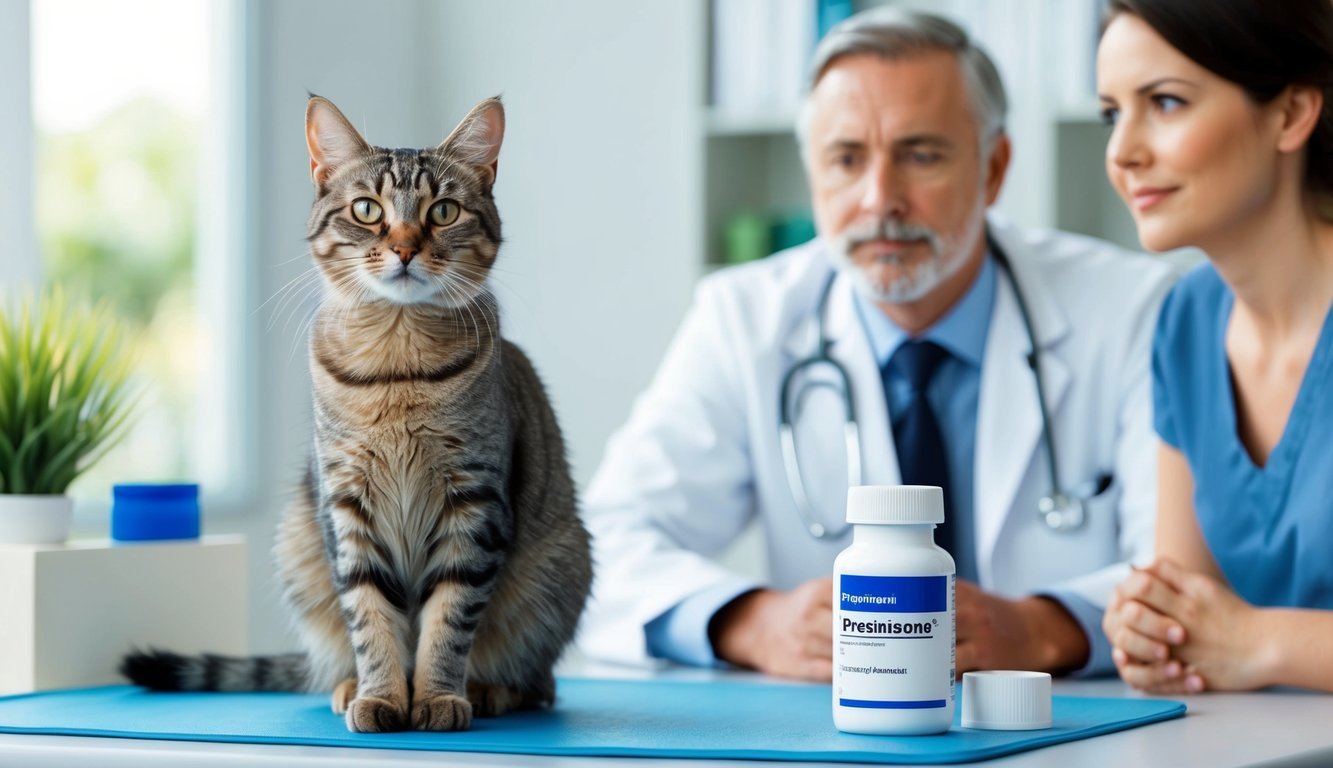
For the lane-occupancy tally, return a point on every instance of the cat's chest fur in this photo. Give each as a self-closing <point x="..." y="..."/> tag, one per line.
<point x="414" y="413"/>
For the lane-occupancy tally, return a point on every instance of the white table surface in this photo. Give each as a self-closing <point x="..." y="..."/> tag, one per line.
<point x="1286" y="727"/>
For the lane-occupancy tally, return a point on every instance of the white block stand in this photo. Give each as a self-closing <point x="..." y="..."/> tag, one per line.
<point x="68" y="613"/>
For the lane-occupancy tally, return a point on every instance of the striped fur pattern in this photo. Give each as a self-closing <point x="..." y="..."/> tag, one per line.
<point x="433" y="557"/>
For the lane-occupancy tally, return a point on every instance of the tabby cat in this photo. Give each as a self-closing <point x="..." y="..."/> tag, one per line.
<point x="433" y="556"/>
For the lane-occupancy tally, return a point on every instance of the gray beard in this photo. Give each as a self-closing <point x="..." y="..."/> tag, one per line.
<point x="945" y="259"/>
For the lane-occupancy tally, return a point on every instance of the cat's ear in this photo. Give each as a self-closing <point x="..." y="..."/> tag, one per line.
<point x="476" y="140"/>
<point x="331" y="139"/>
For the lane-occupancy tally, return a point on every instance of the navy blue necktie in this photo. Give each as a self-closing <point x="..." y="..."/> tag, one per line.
<point x="916" y="433"/>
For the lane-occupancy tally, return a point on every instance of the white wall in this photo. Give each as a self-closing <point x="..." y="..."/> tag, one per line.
<point x="597" y="184"/>
<point x="19" y="266"/>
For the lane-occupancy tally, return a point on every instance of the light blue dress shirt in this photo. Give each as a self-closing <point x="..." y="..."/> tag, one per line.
<point x="681" y="633"/>
<point x="953" y="391"/>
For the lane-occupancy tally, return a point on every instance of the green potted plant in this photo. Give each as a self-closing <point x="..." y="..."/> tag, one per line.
<point x="64" y="401"/>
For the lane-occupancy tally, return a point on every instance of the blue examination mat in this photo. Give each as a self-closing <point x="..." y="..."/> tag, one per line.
<point x="592" y="717"/>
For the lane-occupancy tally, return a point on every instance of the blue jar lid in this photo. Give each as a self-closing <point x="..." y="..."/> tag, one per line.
<point x="153" y="511"/>
<point x="155" y="491"/>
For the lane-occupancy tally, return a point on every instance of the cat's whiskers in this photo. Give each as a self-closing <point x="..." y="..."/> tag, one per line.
<point x="488" y="271"/>
<point x="335" y="280"/>
<point x="486" y="308"/>
<point x="297" y="291"/>
<point x="286" y="292"/>
<point x="301" y="332"/>
<point x="304" y="254"/>
<point x="309" y="291"/>
<point x="337" y="285"/>
<point x="298" y="296"/>
<point x="481" y="267"/>
<point x="478" y="291"/>
<point x="461" y="303"/>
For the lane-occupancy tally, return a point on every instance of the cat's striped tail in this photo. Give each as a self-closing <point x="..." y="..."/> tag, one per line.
<point x="167" y="671"/>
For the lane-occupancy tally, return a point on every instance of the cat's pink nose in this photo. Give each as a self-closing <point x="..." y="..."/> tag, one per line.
<point x="405" y="252"/>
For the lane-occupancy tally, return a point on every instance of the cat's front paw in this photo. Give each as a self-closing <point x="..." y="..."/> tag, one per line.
<point x="369" y="714"/>
<point x="445" y="712"/>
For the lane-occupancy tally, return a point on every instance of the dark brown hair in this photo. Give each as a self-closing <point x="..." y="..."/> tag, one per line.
<point x="1262" y="46"/>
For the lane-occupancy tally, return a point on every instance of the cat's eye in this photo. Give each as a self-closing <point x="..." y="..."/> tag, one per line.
<point x="444" y="213"/>
<point x="367" y="211"/>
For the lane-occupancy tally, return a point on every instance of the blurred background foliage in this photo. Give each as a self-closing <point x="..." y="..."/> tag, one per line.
<point x="116" y="209"/>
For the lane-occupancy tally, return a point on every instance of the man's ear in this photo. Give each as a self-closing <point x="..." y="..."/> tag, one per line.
<point x="996" y="165"/>
<point x="332" y="140"/>
<point x="476" y="140"/>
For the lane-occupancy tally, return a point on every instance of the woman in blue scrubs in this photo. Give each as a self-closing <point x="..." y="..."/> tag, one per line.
<point x="1223" y="139"/>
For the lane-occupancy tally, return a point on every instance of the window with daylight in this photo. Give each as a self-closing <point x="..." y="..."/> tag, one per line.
<point x="126" y="150"/>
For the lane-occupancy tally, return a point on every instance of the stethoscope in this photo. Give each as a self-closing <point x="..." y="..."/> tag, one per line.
<point x="1060" y="510"/>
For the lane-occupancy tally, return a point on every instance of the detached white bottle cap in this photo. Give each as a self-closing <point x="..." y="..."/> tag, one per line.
<point x="1006" y="700"/>
<point x="902" y="504"/>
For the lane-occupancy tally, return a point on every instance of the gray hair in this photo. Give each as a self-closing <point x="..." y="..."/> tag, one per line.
<point x="893" y="33"/>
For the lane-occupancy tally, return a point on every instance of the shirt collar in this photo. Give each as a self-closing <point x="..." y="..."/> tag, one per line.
<point x="962" y="330"/>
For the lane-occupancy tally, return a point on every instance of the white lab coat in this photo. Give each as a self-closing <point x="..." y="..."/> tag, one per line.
<point x="700" y="456"/>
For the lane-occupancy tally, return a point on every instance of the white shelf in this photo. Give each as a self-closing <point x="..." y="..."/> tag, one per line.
<point x="70" y="612"/>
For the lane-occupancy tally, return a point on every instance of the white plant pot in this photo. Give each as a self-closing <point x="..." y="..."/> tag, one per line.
<point x="35" y="519"/>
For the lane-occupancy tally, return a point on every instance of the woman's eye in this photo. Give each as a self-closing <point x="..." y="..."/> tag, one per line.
<point x="1167" y="103"/>
<point x="444" y="213"/>
<point x="367" y="211"/>
<point x="1110" y="115"/>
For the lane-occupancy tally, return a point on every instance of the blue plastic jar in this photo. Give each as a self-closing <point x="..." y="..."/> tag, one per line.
<point x="152" y="511"/>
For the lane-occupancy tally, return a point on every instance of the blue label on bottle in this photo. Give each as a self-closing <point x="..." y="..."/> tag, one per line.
<point x="864" y="704"/>
<point x="894" y="594"/>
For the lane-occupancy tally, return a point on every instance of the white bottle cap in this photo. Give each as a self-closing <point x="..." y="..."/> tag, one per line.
<point x="1006" y="700"/>
<point x="902" y="504"/>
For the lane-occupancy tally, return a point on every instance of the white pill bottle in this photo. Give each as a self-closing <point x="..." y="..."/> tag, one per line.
<point x="893" y="615"/>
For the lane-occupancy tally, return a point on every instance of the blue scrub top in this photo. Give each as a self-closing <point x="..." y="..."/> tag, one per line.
<point x="1269" y="528"/>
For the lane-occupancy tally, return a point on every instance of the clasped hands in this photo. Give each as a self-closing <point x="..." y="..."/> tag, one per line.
<point x="790" y="634"/>
<point x="1175" y="631"/>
